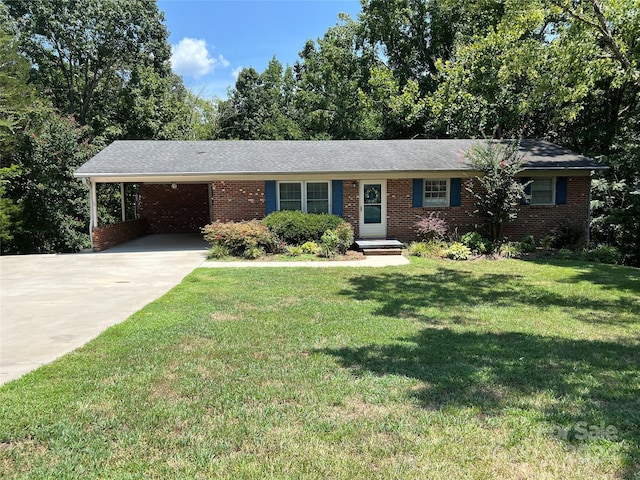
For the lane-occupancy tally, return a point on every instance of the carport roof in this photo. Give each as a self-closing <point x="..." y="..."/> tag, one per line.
<point x="148" y="158"/>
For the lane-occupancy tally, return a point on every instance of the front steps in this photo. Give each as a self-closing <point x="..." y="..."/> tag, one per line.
<point x="380" y="247"/>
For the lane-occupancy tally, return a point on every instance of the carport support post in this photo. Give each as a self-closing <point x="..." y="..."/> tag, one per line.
<point x="122" y="203"/>
<point x="93" y="209"/>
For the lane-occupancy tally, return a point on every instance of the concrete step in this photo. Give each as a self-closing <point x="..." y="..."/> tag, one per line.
<point x="381" y="251"/>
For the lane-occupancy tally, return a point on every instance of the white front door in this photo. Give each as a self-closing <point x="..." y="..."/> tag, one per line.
<point x="373" y="208"/>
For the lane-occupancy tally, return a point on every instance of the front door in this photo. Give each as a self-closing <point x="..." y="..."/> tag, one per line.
<point x="373" y="208"/>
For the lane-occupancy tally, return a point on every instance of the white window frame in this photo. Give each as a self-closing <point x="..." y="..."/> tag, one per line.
<point x="303" y="191"/>
<point x="553" y="191"/>
<point x="447" y="193"/>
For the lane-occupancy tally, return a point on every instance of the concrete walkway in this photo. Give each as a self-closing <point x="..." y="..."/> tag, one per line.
<point x="52" y="304"/>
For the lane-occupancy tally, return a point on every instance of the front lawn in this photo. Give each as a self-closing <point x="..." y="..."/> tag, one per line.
<point x="438" y="369"/>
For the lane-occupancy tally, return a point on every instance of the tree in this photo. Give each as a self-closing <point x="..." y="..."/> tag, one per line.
<point x="261" y="106"/>
<point x="496" y="190"/>
<point x="84" y="51"/>
<point x="54" y="205"/>
<point x="333" y="76"/>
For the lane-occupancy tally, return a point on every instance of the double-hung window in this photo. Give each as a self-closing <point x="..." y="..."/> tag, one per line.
<point x="310" y="197"/>
<point x="436" y="193"/>
<point x="542" y="191"/>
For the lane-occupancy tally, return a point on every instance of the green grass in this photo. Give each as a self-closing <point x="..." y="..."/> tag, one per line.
<point x="438" y="369"/>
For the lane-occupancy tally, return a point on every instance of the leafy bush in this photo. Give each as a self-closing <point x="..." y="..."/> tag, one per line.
<point x="252" y="252"/>
<point x="294" y="250"/>
<point x="477" y="243"/>
<point x="329" y="243"/>
<point x="344" y="231"/>
<point x="545" y="242"/>
<point x="296" y="228"/>
<point x="604" y="254"/>
<point x="241" y="239"/>
<point x="432" y="249"/>
<point x="510" y="250"/>
<point x="566" y="254"/>
<point x="309" y="247"/>
<point x="458" y="251"/>
<point x="431" y="227"/>
<point x="567" y="235"/>
<point x="528" y="244"/>
<point x="218" y="251"/>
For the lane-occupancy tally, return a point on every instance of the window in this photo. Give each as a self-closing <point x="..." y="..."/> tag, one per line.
<point x="542" y="191"/>
<point x="317" y="197"/>
<point x="436" y="193"/>
<point x="310" y="197"/>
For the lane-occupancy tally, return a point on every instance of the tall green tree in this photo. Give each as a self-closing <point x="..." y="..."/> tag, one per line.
<point x="261" y="106"/>
<point x="84" y="51"/>
<point x="333" y="76"/>
<point x="54" y="205"/>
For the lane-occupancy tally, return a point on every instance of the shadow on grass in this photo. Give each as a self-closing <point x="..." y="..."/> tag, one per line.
<point x="596" y="382"/>
<point x="406" y="296"/>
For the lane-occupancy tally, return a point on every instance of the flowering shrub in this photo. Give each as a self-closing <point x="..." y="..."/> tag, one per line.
<point x="241" y="239"/>
<point x="431" y="227"/>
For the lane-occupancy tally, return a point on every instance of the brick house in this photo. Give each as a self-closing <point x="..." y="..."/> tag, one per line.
<point x="380" y="186"/>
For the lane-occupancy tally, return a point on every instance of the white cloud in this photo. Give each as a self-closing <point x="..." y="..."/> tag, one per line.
<point x="236" y="72"/>
<point x="190" y="57"/>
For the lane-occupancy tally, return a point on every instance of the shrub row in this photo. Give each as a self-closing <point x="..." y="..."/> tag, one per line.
<point x="292" y="231"/>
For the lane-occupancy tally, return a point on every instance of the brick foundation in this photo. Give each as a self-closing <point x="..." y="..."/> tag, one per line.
<point x="118" y="233"/>
<point x="184" y="209"/>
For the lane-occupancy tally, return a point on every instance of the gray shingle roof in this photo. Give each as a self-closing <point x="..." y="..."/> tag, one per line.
<point x="166" y="158"/>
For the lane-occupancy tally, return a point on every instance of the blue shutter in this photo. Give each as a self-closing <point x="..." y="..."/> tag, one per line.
<point x="271" y="200"/>
<point x="561" y="190"/>
<point x="336" y="197"/>
<point x="418" y="192"/>
<point x="455" y="196"/>
<point x="527" y="191"/>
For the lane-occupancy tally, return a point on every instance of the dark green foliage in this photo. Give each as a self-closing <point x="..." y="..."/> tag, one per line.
<point x="249" y="239"/>
<point x="295" y="227"/>
<point x="567" y="235"/>
<point x="344" y="231"/>
<point x="603" y="254"/>
<point x="53" y="205"/>
<point x="528" y="244"/>
<point x="496" y="190"/>
<point x="477" y="243"/>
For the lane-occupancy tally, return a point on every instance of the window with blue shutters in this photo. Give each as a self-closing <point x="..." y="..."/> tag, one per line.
<point x="437" y="192"/>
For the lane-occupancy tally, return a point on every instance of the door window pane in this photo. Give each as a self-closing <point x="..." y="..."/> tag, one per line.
<point x="372" y="214"/>
<point x="372" y="194"/>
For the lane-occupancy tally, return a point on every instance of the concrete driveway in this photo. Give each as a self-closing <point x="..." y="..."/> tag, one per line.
<point x="52" y="304"/>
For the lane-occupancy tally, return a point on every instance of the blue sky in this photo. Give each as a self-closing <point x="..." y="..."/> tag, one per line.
<point x="212" y="40"/>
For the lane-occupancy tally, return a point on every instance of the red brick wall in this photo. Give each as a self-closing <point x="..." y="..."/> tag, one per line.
<point x="112" y="235"/>
<point x="351" y="205"/>
<point x="168" y="210"/>
<point x="532" y="219"/>
<point x="538" y="220"/>
<point x="234" y="201"/>
<point x="184" y="209"/>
